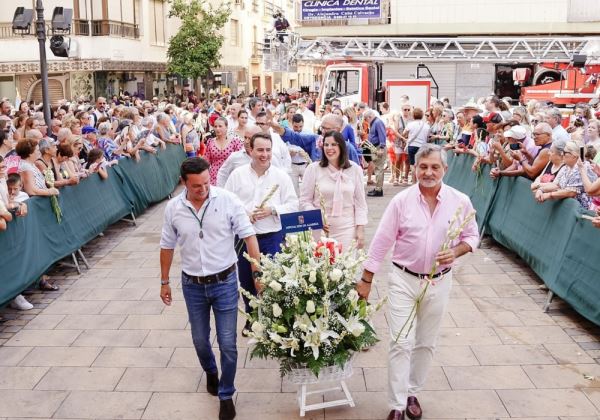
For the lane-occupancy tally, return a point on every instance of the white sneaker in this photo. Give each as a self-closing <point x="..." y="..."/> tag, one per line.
<point x="21" y="304"/>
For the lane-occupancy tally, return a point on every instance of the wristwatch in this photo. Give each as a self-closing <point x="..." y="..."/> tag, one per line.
<point x="164" y="282"/>
<point x="256" y="275"/>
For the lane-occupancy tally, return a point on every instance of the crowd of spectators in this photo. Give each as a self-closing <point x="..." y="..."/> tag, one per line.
<point x="558" y="153"/>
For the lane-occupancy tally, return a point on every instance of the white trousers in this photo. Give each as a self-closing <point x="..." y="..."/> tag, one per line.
<point x="410" y="358"/>
<point x="297" y="173"/>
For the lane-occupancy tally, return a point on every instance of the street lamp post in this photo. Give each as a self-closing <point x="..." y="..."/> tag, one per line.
<point x="41" y="36"/>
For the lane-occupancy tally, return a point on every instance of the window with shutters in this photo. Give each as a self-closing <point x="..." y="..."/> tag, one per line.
<point x="157" y="22"/>
<point x="235" y="32"/>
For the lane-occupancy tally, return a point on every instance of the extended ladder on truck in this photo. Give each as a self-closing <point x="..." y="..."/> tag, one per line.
<point x="511" y="50"/>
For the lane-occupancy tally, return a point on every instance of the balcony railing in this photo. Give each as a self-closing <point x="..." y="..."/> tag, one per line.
<point x="257" y="50"/>
<point x="84" y="28"/>
<point x="117" y="29"/>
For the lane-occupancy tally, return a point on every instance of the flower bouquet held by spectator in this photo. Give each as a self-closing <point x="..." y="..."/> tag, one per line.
<point x="309" y="314"/>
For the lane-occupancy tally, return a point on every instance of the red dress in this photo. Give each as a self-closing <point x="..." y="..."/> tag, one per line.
<point x="216" y="156"/>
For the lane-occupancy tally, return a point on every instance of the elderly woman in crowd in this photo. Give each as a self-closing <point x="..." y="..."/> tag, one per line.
<point x="339" y="182"/>
<point x="72" y="124"/>
<point x="219" y="148"/>
<point x="568" y="183"/>
<point x="105" y="142"/>
<point x="554" y="166"/>
<point x="164" y="129"/>
<point x="48" y="161"/>
<point x="416" y="134"/>
<point x="33" y="179"/>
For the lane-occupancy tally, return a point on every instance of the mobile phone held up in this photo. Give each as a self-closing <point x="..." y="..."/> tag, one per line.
<point x="582" y="153"/>
<point x="514" y="146"/>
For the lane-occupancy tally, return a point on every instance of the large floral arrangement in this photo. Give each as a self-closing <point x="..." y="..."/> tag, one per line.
<point x="309" y="314"/>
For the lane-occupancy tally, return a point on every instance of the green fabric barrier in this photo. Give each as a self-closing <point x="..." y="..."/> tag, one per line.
<point x="480" y="188"/>
<point x="154" y="180"/>
<point x="33" y="243"/>
<point x="560" y="247"/>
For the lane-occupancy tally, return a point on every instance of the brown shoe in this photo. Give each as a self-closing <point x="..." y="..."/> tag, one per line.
<point x="413" y="408"/>
<point x="396" y="415"/>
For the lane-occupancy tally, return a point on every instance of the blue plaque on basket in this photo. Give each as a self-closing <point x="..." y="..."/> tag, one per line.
<point x="301" y="221"/>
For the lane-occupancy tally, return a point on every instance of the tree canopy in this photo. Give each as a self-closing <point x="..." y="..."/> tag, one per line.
<point x="195" y="49"/>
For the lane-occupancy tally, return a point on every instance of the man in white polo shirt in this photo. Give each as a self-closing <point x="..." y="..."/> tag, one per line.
<point x="203" y="221"/>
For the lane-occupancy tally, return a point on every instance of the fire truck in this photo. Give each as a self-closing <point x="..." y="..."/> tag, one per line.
<point x="460" y="68"/>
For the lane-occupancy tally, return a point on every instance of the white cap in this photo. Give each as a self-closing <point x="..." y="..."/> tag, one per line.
<point x="517" y="132"/>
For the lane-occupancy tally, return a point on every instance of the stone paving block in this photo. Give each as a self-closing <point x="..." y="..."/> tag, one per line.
<point x="104" y="405"/>
<point x="479" y="291"/>
<point x="269" y="406"/>
<point x="115" y="294"/>
<point x="133" y="307"/>
<point x="564" y="376"/>
<point x="142" y="283"/>
<point x="91" y="322"/>
<point x="467" y="336"/>
<point x="258" y="380"/>
<point x="44" y="322"/>
<point x="155" y="322"/>
<point x="499" y="355"/>
<point x="186" y="357"/>
<point x="20" y="377"/>
<point x="22" y="403"/>
<point x="161" y="380"/>
<point x="377" y="380"/>
<point x="43" y="338"/>
<point x="459" y="305"/>
<point x="133" y="357"/>
<point x="508" y="290"/>
<point x="68" y="307"/>
<point x="473" y="319"/>
<point x="61" y="356"/>
<point x="532" y="335"/>
<point x="80" y="379"/>
<point x="535" y="318"/>
<point x="454" y="356"/>
<point x="522" y="303"/>
<point x="113" y="282"/>
<point x="74" y="294"/>
<point x="482" y="279"/>
<point x="568" y="353"/>
<point x="487" y="377"/>
<point x="111" y="338"/>
<point x="461" y="404"/>
<point x="165" y="338"/>
<point x="546" y="402"/>
<point x="183" y="406"/>
<point x="11" y="356"/>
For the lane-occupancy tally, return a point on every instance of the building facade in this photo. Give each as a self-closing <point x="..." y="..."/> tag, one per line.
<point x="492" y="20"/>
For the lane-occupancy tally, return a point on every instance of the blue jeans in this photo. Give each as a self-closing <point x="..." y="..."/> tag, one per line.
<point x="269" y="244"/>
<point x="223" y="298"/>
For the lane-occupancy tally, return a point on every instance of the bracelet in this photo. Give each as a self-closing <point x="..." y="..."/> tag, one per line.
<point x="164" y="282"/>
<point x="364" y="281"/>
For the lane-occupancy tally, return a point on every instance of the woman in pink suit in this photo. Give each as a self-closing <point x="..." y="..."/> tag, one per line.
<point x="340" y="182"/>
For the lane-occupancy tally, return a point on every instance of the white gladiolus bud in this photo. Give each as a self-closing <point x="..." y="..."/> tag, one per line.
<point x="336" y="274"/>
<point x="310" y="307"/>
<point x="275" y="286"/>
<point x="253" y="304"/>
<point x="277" y="310"/>
<point x="353" y="296"/>
<point x="312" y="277"/>
<point x="358" y="329"/>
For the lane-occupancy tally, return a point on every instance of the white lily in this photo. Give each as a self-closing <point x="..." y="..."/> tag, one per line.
<point x="352" y="324"/>
<point x="317" y="335"/>
<point x="336" y="274"/>
<point x="277" y="311"/>
<point x="310" y="307"/>
<point x="275" y="286"/>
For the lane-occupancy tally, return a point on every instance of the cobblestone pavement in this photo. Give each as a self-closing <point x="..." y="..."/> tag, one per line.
<point x="105" y="347"/>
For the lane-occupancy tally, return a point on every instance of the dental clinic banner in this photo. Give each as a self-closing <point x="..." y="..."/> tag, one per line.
<point x="340" y="9"/>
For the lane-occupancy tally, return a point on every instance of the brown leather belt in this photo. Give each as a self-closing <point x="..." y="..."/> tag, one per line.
<point x="422" y="276"/>
<point x="213" y="278"/>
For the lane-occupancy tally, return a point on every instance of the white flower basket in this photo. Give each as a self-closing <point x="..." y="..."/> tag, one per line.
<point x="304" y="376"/>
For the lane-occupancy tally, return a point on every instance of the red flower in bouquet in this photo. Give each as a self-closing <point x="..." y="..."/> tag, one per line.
<point x="332" y="245"/>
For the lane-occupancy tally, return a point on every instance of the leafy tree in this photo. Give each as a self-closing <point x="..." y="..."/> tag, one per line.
<point x="195" y="49"/>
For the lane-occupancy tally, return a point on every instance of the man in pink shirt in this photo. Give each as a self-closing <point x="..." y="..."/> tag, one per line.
<point x="415" y="224"/>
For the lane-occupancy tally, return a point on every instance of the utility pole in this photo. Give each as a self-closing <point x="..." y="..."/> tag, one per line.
<point x="41" y="36"/>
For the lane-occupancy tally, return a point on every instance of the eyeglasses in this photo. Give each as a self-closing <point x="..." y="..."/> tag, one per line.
<point x="538" y="134"/>
<point x="406" y="110"/>
<point x="261" y="123"/>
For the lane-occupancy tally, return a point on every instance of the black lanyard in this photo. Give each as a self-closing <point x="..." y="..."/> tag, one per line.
<point x="201" y="219"/>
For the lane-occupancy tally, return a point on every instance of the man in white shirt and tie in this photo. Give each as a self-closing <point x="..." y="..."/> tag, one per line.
<point x="266" y="192"/>
<point x="203" y="221"/>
